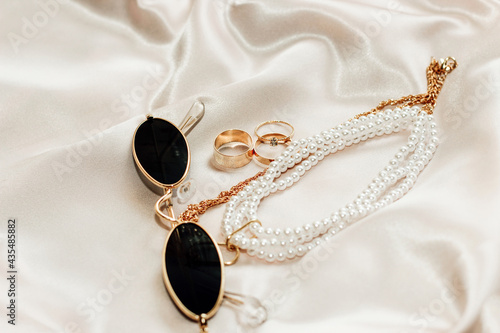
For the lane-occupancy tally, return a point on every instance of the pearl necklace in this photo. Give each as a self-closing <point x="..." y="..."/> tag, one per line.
<point x="393" y="182"/>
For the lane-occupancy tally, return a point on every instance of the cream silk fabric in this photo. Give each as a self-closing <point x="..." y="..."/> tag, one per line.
<point x="77" y="78"/>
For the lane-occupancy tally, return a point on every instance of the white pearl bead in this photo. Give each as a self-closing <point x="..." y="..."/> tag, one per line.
<point x="281" y="256"/>
<point x="408" y="182"/>
<point x="362" y="212"/>
<point x="253" y="244"/>
<point x="328" y="139"/>
<point x="300" y="170"/>
<point x="311" y="148"/>
<point x="261" y="254"/>
<point x="263" y="243"/>
<point x="319" y="155"/>
<point x="413" y="138"/>
<point x="301" y="250"/>
<point x="313" y="159"/>
<point x="317" y="228"/>
<point x="268" y="178"/>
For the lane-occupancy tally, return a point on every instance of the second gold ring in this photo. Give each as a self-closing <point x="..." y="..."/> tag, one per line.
<point x="267" y="154"/>
<point x="275" y="126"/>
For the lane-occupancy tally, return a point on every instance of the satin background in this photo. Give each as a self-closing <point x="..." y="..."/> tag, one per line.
<point x="77" y="78"/>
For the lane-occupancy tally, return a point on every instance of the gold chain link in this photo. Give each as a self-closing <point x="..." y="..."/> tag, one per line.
<point x="193" y="211"/>
<point x="436" y="74"/>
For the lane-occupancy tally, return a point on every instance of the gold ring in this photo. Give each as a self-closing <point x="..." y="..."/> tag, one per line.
<point x="274" y="140"/>
<point x="233" y="139"/>
<point x="267" y="160"/>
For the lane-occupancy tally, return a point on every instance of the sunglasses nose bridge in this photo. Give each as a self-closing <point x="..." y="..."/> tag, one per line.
<point x="192" y="117"/>
<point x="165" y="203"/>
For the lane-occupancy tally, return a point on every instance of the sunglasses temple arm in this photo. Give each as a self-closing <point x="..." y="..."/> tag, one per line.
<point x="192" y="118"/>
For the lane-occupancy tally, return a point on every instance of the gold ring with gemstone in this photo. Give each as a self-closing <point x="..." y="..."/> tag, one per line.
<point x="263" y="159"/>
<point x="232" y="139"/>
<point x="274" y="140"/>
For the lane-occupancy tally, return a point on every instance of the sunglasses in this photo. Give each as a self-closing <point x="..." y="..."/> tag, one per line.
<point x="193" y="268"/>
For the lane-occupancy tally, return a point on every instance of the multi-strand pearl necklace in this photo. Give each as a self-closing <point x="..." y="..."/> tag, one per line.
<point x="392" y="182"/>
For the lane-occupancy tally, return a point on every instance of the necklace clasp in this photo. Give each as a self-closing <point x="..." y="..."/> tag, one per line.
<point x="448" y="64"/>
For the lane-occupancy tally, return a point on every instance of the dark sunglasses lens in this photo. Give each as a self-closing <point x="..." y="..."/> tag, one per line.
<point x="194" y="269"/>
<point x="162" y="151"/>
